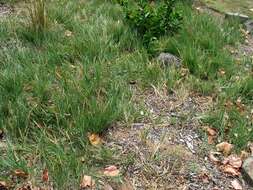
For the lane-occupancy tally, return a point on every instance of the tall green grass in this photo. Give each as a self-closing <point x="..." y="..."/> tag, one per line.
<point x="56" y="89"/>
<point x="201" y="43"/>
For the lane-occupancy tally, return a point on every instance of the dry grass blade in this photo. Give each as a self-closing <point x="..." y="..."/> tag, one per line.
<point x="37" y="13"/>
<point x="20" y="173"/>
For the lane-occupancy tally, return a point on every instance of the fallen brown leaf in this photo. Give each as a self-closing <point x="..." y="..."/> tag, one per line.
<point x="111" y="171"/>
<point x="211" y="139"/>
<point x="45" y="176"/>
<point x="225" y="148"/>
<point x="211" y="134"/>
<point x="235" y="161"/>
<point x="94" y="139"/>
<point x="244" y="155"/>
<point x="87" y="181"/>
<point x="230" y="170"/>
<point x="3" y="185"/>
<point x="210" y="131"/>
<point x="20" y="173"/>
<point x="236" y="185"/>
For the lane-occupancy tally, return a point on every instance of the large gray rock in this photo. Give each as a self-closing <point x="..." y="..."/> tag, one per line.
<point x="249" y="26"/>
<point x="169" y="59"/>
<point x="242" y="18"/>
<point x="247" y="170"/>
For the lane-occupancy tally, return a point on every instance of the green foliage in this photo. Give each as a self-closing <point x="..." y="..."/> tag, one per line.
<point x="152" y="20"/>
<point x="200" y="43"/>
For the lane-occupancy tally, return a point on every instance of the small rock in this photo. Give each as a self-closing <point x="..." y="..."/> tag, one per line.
<point x="236" y="185"/>
<point x="241" y="17"/>
<point x="169" y="59"/>
<point x="247" y="170"/>
<point x="249" y="26"/>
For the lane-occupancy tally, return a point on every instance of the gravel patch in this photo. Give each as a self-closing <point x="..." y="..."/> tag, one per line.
<point x="169" y="154"/>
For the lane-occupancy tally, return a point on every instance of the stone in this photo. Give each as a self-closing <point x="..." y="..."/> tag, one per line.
<point x="242" y="18"/>
<point x="247" y="170"/>
<point x="248" y="25"/>
<point x="169" y="59"/>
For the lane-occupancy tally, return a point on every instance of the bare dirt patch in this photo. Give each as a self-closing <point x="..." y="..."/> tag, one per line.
<point x="166" y="147"/>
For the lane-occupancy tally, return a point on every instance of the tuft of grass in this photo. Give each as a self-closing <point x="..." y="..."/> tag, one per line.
<point x="232" y="113"/>
<point x="38" y="16"/>
<point x="201" y="43"/>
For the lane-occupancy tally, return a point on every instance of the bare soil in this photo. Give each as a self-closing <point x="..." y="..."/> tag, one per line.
<point x="169" y="154"/>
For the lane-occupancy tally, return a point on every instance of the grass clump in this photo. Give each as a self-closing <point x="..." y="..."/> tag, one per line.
<point x="201" y="44"/>
<point x="38" y="16"/>
<point x="232" y="113"/>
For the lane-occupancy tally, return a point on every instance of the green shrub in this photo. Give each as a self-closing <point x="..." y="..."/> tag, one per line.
<point x="152" y="20"/>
